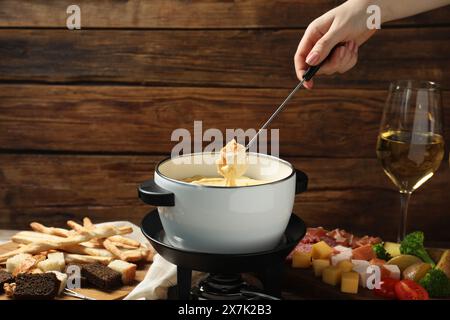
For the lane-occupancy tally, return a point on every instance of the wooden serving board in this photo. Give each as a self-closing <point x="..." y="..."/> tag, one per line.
<point x="91" y="292"/>
<point x="302" y="284"/>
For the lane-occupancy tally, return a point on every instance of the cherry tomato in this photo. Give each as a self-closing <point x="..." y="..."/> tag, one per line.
<point x="387" y="288"/>
<point x="409" y="290"/>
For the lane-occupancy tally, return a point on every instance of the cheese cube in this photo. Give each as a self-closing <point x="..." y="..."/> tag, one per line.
<point x="332" y="275"/>
<point x="392" y="248"/>
<point x="360" y="267"/>
<point x="349" y="282"/>
<point x="319" y="265"/>
<point x="321" y="250"/>
<point x="345" y="265"/>
<point x="394" y="271"/>
<point x="301" y="260"/>
<point x="343" y="256"/>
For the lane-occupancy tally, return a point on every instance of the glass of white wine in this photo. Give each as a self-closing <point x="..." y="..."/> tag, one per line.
<point x="410" y="144"/>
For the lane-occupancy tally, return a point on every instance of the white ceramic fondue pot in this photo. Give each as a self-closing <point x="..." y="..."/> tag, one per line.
<point x="224" y="220"/>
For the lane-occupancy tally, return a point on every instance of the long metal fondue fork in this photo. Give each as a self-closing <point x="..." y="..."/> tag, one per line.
<point x="306" y="77"/>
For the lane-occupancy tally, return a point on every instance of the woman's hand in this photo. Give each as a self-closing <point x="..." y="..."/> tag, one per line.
<point x="345" y="25"/>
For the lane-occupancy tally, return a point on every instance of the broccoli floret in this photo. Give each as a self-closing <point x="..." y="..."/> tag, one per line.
<point x="436" y="283"/>
<point x="381" y="252"/>
<point x="413" y="244"/>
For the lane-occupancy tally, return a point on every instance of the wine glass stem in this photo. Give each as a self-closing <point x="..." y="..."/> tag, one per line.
<point x="404" y="202"/>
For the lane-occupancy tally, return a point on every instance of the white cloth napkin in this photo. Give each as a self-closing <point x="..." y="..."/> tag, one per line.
<point x="161" y="276"/>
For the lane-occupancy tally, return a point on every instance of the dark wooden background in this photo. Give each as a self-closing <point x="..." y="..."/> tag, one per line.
<point x="85" y="115"/>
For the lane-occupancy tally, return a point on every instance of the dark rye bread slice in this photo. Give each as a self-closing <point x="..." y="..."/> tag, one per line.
<point x="5" y="277"/>
<point x="36" y="286"/>
<point x="101" y="276"/>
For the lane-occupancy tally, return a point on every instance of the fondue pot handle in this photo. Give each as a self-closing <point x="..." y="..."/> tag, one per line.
<point x="301" y="181"/>
<point x="150" y="193"/>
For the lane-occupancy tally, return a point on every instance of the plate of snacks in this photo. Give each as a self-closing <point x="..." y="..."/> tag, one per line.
<point x="85" y="261"/>
<point x="339" y="265"/>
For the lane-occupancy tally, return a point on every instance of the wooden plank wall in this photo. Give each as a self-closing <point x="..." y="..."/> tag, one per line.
<point x="85" y="115"/>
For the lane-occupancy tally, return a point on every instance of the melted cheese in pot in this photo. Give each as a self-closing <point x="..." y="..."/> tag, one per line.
<point x="231" y="165"/>
<point x="222" y="182"/>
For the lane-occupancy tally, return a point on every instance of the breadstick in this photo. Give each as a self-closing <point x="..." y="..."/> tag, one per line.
<point x="125" y="230"/>
<point x="49" y="230"/>
<point x="127" y="255"/>
<point x="79" y="249"/>
<point x="94" y="243"/>
<point x="75" y="226"/>
<point x="121" y="240"/>
<point x="26" y="237"/>
<point x="41" y="245"/>
<point x="132" y="255"/>
<point x="99" y="232"/>
<point x="78" y="258"/>
<point x="29" y="248"/>
<point x="124" y="246"/>
<point x="87" y="223"/>
<point x="111" y="247"/>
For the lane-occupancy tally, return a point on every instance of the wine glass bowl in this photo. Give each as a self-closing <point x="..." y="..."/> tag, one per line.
<point x="410" y="143"/>
<point x="409" y="160"/>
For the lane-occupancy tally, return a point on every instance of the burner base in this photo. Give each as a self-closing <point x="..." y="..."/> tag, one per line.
<point x="229" y="286"/>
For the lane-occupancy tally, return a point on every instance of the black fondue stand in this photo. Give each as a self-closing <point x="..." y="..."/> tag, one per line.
<point x="224" y="281"/>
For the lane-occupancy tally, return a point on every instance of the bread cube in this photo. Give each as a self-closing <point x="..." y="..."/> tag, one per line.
<point x="58" y="259"/>
<point x="349" y="282"/>
<point x="331" y="275"/>
<point x="345" y="265"/>
<point x="126" y="269"/>
<point x="301" y="260"/>
<point x="13" y="262"/>
<point x="49" y="265"/>
<point x="319" y="265"/>
<point x="321" y="250"/>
